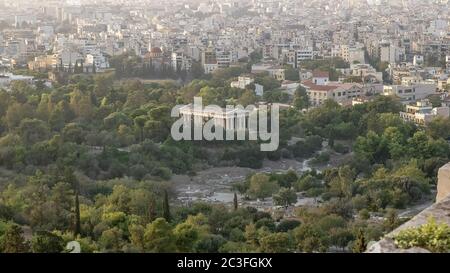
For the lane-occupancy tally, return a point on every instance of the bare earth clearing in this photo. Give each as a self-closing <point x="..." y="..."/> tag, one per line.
<point x="214" y="185"/>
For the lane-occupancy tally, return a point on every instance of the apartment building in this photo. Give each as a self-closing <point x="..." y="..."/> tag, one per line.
<point x="181" y="61"/>
<point x="242" y="81"/>
<point x="209" y="60"/>
<point x="319" y="89"/>
<point x="422" y="112"/>
<point x="408" y="93"/>
<point x="276" y="72"/>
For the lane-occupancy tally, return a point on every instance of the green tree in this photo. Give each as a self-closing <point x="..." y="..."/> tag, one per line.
<point x="248" y="97"/>
<point x="209" y="95"/>
<point x="261" y="186"/>
<point x="391" y="221"/>
<point x="275" y="243"/>
<point x="81" y="104"/>
<point x="137" y="236"/>
<point x="197" y="70"/>
<point x="373" y="147"/>
<point x="103" y="83"/>
<point x="112" y="239"/>
<point x="140" y="123"/>
<point x="77" y="225"/>
<point x="33" y="130"/>
<point x="186" y="235"/>
<point x="340" y="237"/>
<point x="439" y="127"/>
<point x="61" y="196"/>
<point x="291" y="74"/>
<point x="360" y="244"/>
<point x="47" y="242"/>
<point x="45" y="107"/>
<point x="342" y="184"/>
<point x="301" y="99"/>
<point x="159" y="237"/>
<point x="166" y="207"/>
<point x="13" y="241"/>
<point x="285" y="197"/>
<point x="309" y="238"/>
<point x="251" y="234"/>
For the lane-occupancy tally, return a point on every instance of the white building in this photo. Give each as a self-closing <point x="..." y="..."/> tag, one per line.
<point x="209" y="60"/>
<point x="447" y="62"/>
<point x="418" y="60"/>
<point x="224" y="59"/>
<point x="320" y="89"/>
<point x="228" y="119"/>
<point x="411" y="92"/>
<point x="422" y="112"/>
<point x="210" y="67"/>
<point x="276" y="72"/>
<point x="259" y="89"/>
<point x="8" y="78"/>
<point x="180" y="61"/>
<point x="305" y="74"/>
<point x="289" y="86"/>
<point x="97" y="59"/>
<point x="391" y="53"/>
<point x="294" y="57"/>
<point x="68" y="58"/>
<point x="242" y="81"/>
<point x="366" y="71"/>
<point x="352" y="54"/>
<point x="303" y="54"/>
<point x="320" y="77"/>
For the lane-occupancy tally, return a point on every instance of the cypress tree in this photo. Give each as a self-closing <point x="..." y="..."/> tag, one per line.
<point x="152" y="210"/>
<point x="360" y="245"/>
<point x="166" y="208"/>
<point x="235" y="202"/>
<point x="70" y="178"/>
<point x="77" y="229"/>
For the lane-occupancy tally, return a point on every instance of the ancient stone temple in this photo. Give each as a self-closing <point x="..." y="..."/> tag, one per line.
<point x="229" y="119"/>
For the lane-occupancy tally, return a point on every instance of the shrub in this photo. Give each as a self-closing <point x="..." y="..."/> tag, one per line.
<point x="321" y="158"/>
<point x="432" y="236"/>
<point x="339" y="148"/>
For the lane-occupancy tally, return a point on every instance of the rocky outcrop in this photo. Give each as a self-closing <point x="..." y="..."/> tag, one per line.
<point x="443" y="187"/>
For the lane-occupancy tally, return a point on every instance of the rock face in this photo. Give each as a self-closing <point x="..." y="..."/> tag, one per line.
<point x="443" y="187"/>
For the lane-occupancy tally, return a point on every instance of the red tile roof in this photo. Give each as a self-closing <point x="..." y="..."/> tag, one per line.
<point x="321" y="74"/>
<point x="316" y="87"/>
<point x="155" y="50"/>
